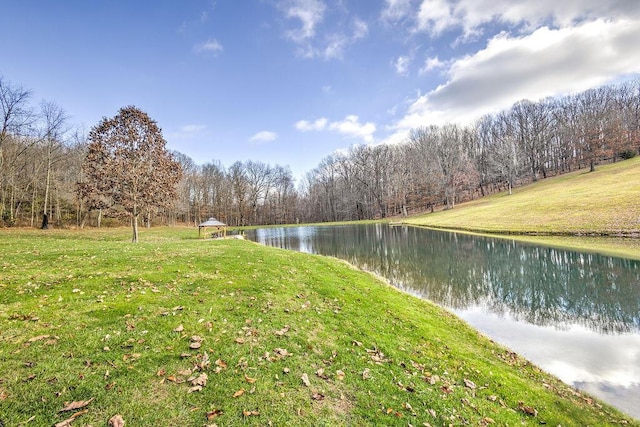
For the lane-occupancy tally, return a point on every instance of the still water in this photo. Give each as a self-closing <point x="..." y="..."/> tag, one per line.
<point x="576" y="315"/>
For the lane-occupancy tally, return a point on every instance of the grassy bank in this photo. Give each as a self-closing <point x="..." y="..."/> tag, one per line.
<point x="188" y="332"/>
<point x="604" y="202"/>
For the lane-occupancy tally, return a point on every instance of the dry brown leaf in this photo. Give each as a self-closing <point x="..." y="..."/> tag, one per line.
<point x="38" y="338"/>
<point x="305" y="380"/>
<point x="366" y="374"/>
<point x="239" y="340"/>
<point x="470" y="384"/>
<point x="340" y="375"/>
<point x="215" y="413"/>
<point x="161" y="372"/>
<point x="320" y="374"/>
<point x="221" y="364"/>
<point x="116" y="421"/>
<point x="76" y="405"/>
<point x="250" y="413"/>
<point x="282" y="352"/>
<point x="195" y="345"/>
<point x="196" y="338"/>
<point x="67" y="422"/>
<point x="195" y="388"/>
<point x="201" y="380"/>
<point x="238" y="393"/>
<point x="283" y="331"/>
<point x="527" y="409"/>
<point x="317" y="396"/>
<point x="249" y="379"/>
<point x="180" y="328"/>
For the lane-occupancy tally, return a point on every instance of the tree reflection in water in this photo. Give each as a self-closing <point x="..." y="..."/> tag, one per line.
<point x="539" y="285"/>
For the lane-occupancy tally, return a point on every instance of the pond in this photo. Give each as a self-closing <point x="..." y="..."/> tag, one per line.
<point x="576" y="315"/>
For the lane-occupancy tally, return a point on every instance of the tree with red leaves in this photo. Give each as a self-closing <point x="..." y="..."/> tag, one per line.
<point x="127" y="168"/>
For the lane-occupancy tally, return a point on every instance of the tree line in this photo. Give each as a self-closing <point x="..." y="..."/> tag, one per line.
<point x="42" y="157"/>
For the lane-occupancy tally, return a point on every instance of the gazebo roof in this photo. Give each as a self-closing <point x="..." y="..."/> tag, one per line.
<point x="212" y="222"/>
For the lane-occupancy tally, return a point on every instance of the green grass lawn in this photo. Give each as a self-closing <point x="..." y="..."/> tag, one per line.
<point x="604" y="202"/>
<point x="176" y="331"/>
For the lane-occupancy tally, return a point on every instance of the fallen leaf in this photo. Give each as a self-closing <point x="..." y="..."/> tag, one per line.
<point x="320" y="374"/>
<point x="215" y="413"/>
<point x="470" y="384"/>
<point x="67" y="422"/>
<point x="238" y="393"/>
<point x="283" y="331"/>
<point x="249" y="379"/>
<point x="180" y="328"/>
<point x="366" y="374"/>
<point x="195" y="345"/>
<point x="317" y="396"/>
<point x="239" y="340"/>
<point x="200" y="380"/>
<point x="305" y="380"/>
<point x="220" y="363"/>
<point x="38" y="338"/>
<point x="340" y="375"/>
<point x="116" y="421"/>
<point x="281" y="352"/>
<point x="356" y="343"/>
<point x="161" y="372"/>
<point x="250" y="413"/>
<point x="195" y="388"/>
<point x="527" y="409"/>
<point x="76" y="405"/>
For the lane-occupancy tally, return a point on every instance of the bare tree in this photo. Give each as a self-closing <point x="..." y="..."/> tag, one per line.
<point x="53" y="127"/>
<point x="16" y="116"/>
<point x="127" y="164"/>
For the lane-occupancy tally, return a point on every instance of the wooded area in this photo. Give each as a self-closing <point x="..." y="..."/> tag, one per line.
<point x="41" y="161"/>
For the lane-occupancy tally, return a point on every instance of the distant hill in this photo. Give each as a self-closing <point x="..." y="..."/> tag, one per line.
<point x="604" y="202"/>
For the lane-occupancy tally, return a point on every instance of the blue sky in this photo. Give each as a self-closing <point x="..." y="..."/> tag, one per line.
<point x="291" y="81"/>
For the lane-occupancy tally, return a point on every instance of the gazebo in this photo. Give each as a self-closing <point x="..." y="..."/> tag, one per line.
<point x="220" y="227"/>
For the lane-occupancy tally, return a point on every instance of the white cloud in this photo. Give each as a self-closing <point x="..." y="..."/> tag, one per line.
<point x="547" y="62"/>
<point x="310" y="41"/>
<point x="335" y="47"/>
<point x="396" y="10"/>
<point x="309" y="12"/>
<point x="401" y="64"/>
<point x="360" y="29"/>
<point x="436" y="16"/>
<point x="352" y="127"/>
<point x="432" y="64"/>
<point x="264" y="136"/>
<point x="306" y="126"/>
<point x="210" y="46"/>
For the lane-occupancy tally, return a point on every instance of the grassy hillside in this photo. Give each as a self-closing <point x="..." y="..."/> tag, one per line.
<point x="186" y="332"/>
<point x="604" y="202"/>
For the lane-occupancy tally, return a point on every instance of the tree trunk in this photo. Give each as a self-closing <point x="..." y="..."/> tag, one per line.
<point x="134" y="220"/>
